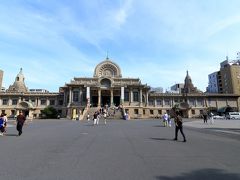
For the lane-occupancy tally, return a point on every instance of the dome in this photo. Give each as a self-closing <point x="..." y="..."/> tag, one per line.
<point x="19" y="84"/>
<point x="107" y="68"/>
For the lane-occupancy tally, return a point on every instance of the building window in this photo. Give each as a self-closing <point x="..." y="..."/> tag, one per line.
<point x="150" y="102"/>
<point x="159" y="102"/>
<point x="75" y="96"/>
<point x="193" y="111"/>
<point x="60" y="102"/>
<point x="52" y="102"/>
<point x="135" y="111"/>
<point x="135" y="96"/>
<point x="144" y="111"/>
<point x="126" y="96"/>
<point x="159" y="111"/>
<point x="13" y="112"/>
<point x="191" y="102"/>
<point x="5" y="102"/>
<point x="14" y="102"/>
<point x="43" y="101"/>
<point x="167" y="102"/>
<point x="151" y="112"/>
<point x="200" y="102"/>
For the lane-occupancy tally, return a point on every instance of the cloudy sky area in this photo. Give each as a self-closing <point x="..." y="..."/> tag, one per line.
<point x="154" y="40"/>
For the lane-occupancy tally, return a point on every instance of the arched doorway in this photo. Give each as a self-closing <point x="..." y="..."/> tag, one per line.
<point x="105" y="98"/>
<point x="26" y="108"/>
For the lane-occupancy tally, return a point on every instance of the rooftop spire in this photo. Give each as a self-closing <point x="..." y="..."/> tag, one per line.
<point x="107" y="58"/>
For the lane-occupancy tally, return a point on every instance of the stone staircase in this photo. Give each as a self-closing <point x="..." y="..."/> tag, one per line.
<point x="113" y="114"/>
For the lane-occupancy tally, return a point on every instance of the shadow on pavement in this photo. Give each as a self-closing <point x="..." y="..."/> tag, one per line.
<point x="162" y="139"/>
<point x="11" y="134"/>
<point x="203" y="174"/>
<point x="159" y="126"/>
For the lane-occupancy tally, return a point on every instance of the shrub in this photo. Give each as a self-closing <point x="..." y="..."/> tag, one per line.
<point x="50" y="113"/>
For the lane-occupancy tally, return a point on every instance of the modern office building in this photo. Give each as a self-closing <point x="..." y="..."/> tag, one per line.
<point x="227" y="79"/>
<point x="213" y="86"/>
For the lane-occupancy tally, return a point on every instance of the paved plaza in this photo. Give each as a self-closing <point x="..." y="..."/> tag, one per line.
<point x="121" y="150"/>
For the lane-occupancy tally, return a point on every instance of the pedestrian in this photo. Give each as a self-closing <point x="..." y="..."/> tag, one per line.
<point x="1" y="125"/>
<point x="204" y="117"/>
<point x="20" y="122"/>
<point x="211" y="118"/>
<point x="165" y="119"/>
<point x="105" y="118"/>
<point x="5" y="119"/>
<point x="88" y="117"/>
<point x="169" y="121"/>
<point x="95" y="118"/>
<point x="178" y="126"/>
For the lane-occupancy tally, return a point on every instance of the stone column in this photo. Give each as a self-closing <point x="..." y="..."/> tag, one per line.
<point x="146" y="98"/>
<point x="140" y="94"/>
<point x="88" y="97"/>
<point x="99" y="97"/>
<point x="70" y="96"/>
<point x="111" y="97"/>
<point x="131" y="96"/>
<point x="155" y="102"/>
<point x="122" y="95"/>
<point x="80" y="96"/>
<point x="47" y="101"/>
<point x="64" y="98"/>
<point x="39" y="102"/>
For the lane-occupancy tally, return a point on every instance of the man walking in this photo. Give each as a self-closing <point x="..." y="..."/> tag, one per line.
<point x="178" y="126"/>
<point x="20" y="122"/>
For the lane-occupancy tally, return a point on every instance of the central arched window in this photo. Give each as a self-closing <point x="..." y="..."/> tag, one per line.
<point x="105" y="83"/>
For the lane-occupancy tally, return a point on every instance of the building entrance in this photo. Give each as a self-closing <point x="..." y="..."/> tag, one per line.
<point x="116" y="100"/>
<point x="106" y="101"/>
<point x="94" y="101"/>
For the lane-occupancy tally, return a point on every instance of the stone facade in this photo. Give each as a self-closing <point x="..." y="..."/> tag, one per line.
<point x="107" y="88"/>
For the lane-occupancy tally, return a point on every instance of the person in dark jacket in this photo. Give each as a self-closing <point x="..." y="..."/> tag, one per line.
<point x="178" y="126"/>
<point x="20" y="122"/>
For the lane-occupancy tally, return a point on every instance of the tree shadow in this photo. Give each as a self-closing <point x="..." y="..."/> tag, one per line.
<point x="204" y="174"/>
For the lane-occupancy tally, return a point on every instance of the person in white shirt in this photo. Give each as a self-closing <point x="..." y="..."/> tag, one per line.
<point x="165" y="120"/>
<point x="105" y="118"/>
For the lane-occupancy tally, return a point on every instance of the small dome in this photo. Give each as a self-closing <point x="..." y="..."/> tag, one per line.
<point x="19" y="84"/>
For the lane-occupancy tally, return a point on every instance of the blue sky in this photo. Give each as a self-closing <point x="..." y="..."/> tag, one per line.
<point x="154" y="40"/>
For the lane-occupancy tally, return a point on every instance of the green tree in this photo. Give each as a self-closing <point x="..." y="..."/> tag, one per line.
<point x="50" y="112"/>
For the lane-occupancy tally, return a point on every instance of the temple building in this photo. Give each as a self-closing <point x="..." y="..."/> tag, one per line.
<point x="109" y="89"/>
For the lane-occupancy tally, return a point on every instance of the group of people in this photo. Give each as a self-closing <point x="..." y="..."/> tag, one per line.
<point x="167" y="120"/>
<point x="178" y="124"/>
<point x="4" y="120"/>
<point x="97" y="115"/>
<point x="207" y="116"/>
